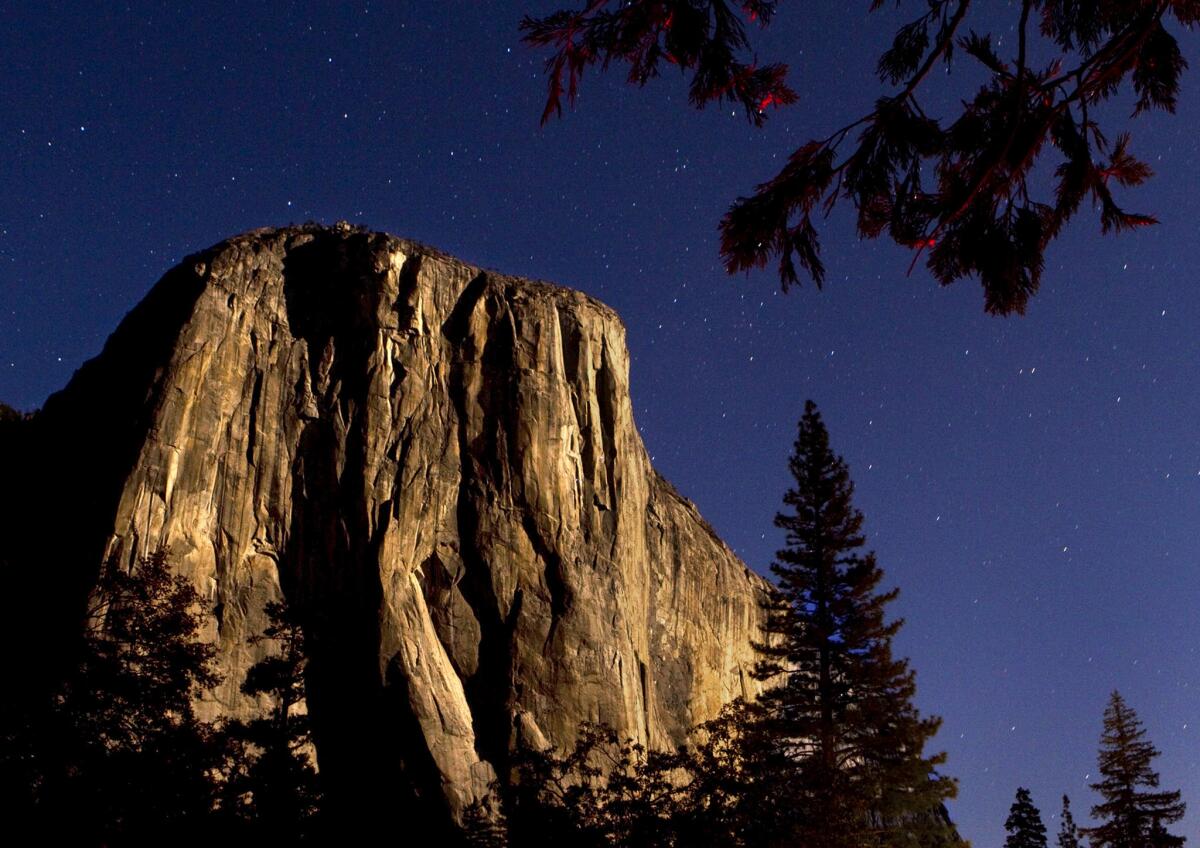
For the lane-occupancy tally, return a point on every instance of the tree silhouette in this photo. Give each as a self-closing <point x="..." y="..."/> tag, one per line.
<point x="118" y="755"/>
<point x="841" y="709"/>
<point x="272" y="786"/>
<point x="603" y="791"/>
<point x="1134" y="811"/>
<point x="982" y="193"/>
<point x="1068" y="832"/>
<point x="733" y="796"/>
<point x="716" y="791"/>
<point x="1024" y="823"/>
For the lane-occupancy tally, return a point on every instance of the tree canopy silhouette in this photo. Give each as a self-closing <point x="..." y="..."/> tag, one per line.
<point x="1068" y="831"/>
<point x="602" y="791"/>
<point x="118" y="755"/>
<point x="980" y="193"/>
<point x="1024" y="823"/>
<point x="271" y="786"/>
<point x="718" y="791"/>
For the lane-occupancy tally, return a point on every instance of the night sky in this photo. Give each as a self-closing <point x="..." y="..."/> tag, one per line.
<point x="1032" y="484"/>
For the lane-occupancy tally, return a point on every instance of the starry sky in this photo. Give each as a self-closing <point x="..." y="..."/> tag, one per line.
<point x="1032" y="484"/>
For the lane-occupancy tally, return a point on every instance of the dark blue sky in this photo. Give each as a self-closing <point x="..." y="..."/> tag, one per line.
<point x="1032" y="484"/>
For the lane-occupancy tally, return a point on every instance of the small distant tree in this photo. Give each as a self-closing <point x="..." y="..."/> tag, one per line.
<point x="118" y="756"/>
<point x="840" y="707"/>
<point x="1068" y="831"/>
<point x="1134" y="812"/>
<point x="273" y="786"/>
<point x="1024" y="824"/>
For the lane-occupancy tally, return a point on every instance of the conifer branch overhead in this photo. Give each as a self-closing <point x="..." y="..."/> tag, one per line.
<point x="707" y="38"/>
<point x="965" y="193"/>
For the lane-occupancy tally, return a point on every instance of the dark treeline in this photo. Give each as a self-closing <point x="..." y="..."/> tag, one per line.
<point x="1132" y="813"/>
<point x="117" y="754"/>
<point x="830" y="756"/>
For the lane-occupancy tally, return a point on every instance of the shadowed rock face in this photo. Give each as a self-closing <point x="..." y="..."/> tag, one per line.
<point x="437" y="466"/>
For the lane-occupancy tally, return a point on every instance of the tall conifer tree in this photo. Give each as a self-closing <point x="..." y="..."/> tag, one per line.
<point x="841" y="706"/>
<point x="1024" y="823"/>
<point x="1134" y="811"/>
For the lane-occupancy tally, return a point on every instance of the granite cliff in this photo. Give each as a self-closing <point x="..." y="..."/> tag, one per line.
<point x="436" y="465"/>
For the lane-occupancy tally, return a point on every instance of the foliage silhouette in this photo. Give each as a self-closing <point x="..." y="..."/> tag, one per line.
<point x="1133" y="811"/>
<point x="271" y="786"/>
<point x="117" y="755"/>
<point x="605" y="791"/>
<point x="1068" y="831"/>
<point x="967" y="194"/>
<point x="602" y="791"/>
<point x="704" y="37"/>
<point x="732" y="797"/>
<point x="1024" y="823"/>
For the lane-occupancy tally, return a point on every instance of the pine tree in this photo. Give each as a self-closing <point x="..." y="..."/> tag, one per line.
<point x="1024" y="823"/>
<point x="1068" y="832"/>
<point x="841" y="707"/>
<point x="1134" y="811"/>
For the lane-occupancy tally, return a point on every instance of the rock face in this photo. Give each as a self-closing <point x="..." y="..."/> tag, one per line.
<point x="437" y="466"/>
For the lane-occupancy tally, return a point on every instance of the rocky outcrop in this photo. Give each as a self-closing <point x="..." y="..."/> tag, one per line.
<point x="438" y="467"/>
